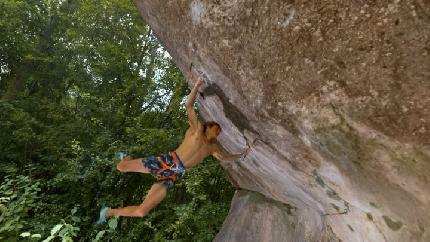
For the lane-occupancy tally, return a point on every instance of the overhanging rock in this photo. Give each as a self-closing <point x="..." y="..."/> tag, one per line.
<point x="335" y="99"/>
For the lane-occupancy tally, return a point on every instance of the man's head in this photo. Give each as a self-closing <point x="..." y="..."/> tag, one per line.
<point x="211" y="130"/>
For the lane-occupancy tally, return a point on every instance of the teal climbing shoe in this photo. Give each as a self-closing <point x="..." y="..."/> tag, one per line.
<point x="120" y="155"/>
<point x="102" y="217"/>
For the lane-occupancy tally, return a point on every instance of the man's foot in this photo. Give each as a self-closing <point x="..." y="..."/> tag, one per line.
<point x="102" y="217"/>
<point x="121" y="155"/>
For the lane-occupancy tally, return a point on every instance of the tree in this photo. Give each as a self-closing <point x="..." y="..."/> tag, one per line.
<point x="81" y="80"/>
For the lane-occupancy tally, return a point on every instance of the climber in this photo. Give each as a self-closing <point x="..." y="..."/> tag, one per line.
<point x="199" y="142"/>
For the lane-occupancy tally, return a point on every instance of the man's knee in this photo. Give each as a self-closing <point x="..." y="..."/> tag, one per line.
<point x="141" y="212"/>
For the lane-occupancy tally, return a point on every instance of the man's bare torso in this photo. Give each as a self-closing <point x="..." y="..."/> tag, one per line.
<point x="195" y="147"/>
<point x="198" y="144"/>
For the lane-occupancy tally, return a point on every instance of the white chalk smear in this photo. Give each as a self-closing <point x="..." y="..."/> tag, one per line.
<point x="197" y="11"/>
<point x="290" y="17"/>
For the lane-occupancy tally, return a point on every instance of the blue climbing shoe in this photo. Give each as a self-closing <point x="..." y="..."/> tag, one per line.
<point x="120" y="155"/>
<point x="102" y="217"/>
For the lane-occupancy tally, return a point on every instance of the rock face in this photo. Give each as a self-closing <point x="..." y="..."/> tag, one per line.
<point x="334" y="98"/>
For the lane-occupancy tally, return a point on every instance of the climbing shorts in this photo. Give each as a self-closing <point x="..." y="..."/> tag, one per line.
<point x="167" y="168"/>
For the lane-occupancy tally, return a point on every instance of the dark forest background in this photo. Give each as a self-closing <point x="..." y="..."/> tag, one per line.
<point x="81" y="81"/>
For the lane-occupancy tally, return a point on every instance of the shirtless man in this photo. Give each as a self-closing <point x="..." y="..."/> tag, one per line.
<point x="199" y="142"/>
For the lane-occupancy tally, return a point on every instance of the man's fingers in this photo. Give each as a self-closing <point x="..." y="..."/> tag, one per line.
<point x="190" y="74"/>
<point x="199" y="81"/>
<point x="246" y="151"/>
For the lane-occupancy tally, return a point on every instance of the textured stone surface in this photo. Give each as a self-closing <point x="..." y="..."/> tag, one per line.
<point x="257" y="216"/>
<point x="335" y="98"/>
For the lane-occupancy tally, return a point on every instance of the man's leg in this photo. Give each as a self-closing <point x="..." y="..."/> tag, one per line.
<point x="129" y="165"/>
<point x="155" y="195"/>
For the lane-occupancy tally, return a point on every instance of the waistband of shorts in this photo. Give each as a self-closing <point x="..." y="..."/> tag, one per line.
<point x="179" y="158"/>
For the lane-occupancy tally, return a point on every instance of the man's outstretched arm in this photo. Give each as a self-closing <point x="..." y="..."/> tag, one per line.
<point x="220" y="155"/>
<point x="192" y="117"/>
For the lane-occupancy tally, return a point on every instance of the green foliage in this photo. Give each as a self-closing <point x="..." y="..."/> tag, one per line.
<point x="193" y="210"/>
<point x="17" y="198"/>
<point x="65" y="231"/>
<point x="106" y="234"/>
<point x="80" y="81"/>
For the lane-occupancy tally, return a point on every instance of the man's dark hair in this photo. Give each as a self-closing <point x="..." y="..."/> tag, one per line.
<point x="210" y="124"/>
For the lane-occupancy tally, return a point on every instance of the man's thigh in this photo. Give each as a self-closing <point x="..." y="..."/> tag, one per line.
<point x="135" y="165"/>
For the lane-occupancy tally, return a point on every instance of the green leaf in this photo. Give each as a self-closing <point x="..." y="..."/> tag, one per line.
<point x="56" y="229"/>
<point x="63" y="231"/>
<point x="48" y="239"/>
<point x="8" y="226"/>
<point x="99" y="235"/>
<point x="113" y="223"/>
<point x="8" y="193"/>
<point x="36" y="236"/>
<point x="74" y="210"/>
<point x="67" y="239"/>
<point x="69" y="227"/>
<point x="76" y="219"/>
<point x="25" y="234"/>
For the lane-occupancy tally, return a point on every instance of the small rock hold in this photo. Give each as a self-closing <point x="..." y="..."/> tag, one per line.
<point x="393" y="225"/>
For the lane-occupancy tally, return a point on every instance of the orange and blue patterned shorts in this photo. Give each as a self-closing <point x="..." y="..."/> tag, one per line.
<point x="167" y="168"/>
